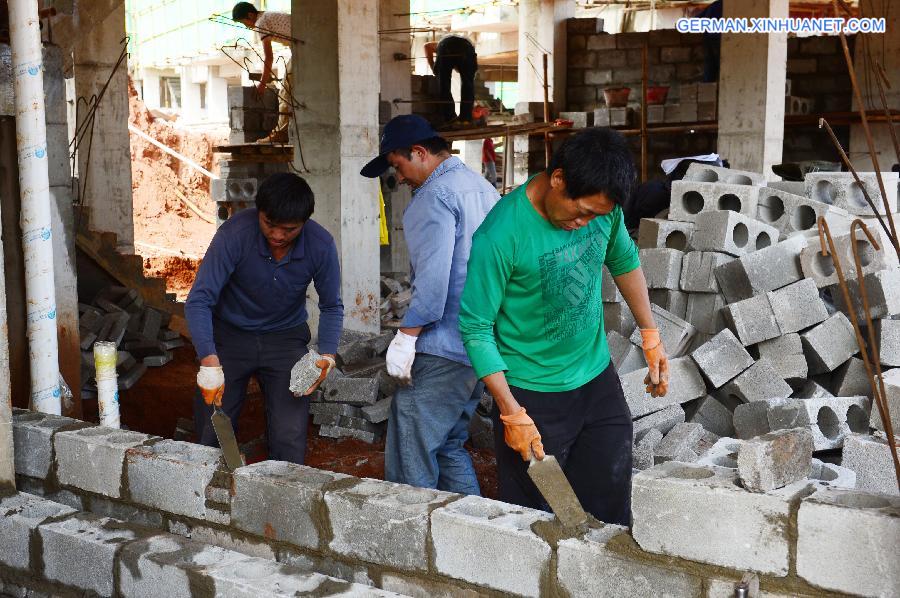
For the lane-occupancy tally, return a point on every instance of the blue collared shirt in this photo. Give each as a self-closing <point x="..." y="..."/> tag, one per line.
<point x="240" y="283"/>
<point x="438" y="224"/>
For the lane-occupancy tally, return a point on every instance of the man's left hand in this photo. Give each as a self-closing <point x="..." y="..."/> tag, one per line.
<point x="657" y="379"/>
<point x="324" y="364"/>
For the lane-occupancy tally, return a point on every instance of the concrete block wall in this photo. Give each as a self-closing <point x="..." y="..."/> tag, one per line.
<point x="280" y="528"/>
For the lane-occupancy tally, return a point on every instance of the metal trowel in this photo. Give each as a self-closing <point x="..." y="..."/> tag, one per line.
<point x="549" y="478"/>
<point x="227" y="442"/>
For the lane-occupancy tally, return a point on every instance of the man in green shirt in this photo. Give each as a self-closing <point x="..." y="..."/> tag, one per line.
<point x="531" y="320"/>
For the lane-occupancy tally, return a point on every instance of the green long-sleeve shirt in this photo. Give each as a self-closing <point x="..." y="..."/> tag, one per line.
<point x="531" y="305"/>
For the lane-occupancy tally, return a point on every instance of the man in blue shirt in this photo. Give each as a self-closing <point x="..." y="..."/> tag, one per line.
<point x="430" y="415"/>
<point x="247" y="311"/>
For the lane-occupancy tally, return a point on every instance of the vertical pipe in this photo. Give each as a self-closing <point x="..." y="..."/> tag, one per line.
<point x="31" y="147"/>
<point x="105" y="358"/>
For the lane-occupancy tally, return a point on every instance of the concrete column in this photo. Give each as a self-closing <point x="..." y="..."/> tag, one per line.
<point x="150" y="88"/>
<point x="216" y="96"/>
<point x="191" y="112"/>
<point x="751" y="90"/>
<point x="336" y="74"/>
<point x="544" y="22"/>
<point x="885" y="48"/>
<point x="106" y="180"/>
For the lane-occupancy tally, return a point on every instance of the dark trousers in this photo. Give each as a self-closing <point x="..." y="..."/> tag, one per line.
<point x="589" y="431"/>
<point x="458" y="54"/>
<point x="269" y="356"/>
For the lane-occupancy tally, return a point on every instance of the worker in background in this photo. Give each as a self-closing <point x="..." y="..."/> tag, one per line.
<point x="247" y="311"/>
<point x="489" y="161"/>
<point x="271" y="27"/>
<point x="454" y="53"/>
<point x="712" y="43"/>
<point x="532" y="322"/>
<point x="430" y="415"/>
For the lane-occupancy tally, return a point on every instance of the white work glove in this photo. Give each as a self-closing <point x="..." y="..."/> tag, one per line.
<point x="400" y="356"/>
<point x="211" y="381"/>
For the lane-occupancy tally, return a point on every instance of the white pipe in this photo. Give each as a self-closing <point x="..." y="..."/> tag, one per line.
<point x="34" y="182"/>
<point x="170" y="151"/>
<point x="105" y="358"/>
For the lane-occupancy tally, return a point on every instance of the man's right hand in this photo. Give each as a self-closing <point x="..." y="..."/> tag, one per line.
<point x="211" y="380"/>
<point x="522" y="436"/>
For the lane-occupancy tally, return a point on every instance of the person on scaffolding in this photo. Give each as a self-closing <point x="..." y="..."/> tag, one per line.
<point x="271" y="26"/>
<point x="454" y="53"/>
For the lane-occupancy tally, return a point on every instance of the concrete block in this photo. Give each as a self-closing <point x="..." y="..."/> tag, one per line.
<point x="674" y="302"/>
<point x="518" y="557"/>
<point x="841" y="189"/>
<point x="617" y="317"/>
<point x="821" y="268"/>
<point x="685" y="384"/>
<point x="674" y="332"/>
<point x="263" y="577"/>
<point x="669" y="234"/>
<point x="172" y="476"/>
<point x="861" y="527"/>
<point x="33" y="440"/>
<point x="662" y="421"/>
<point x="829" y="419"/>
<point x="643" y="449"/>
<point x="81" y="551"/>
<point x="656" y="113"/>
<point x="701" y="514"/>
<point x="752" y="419"/>
<point x="829" y="344"/>
<point x="580" y="119"/>
<point x="698" y="270"/>
<point x="620" y="117"/>
<point x="723" y="453"/>
<point x="708" y="173"/>
<point x="869" y="457"/>
<point x="383" y="523"/>
<point x="722" y="358"/>
<point x="812" y="390"/>
<point x="731" y="232"/>
<point x="691" y="198"/>
<point x="888" y="334"/>
<point x="587" y="567"/>
<point x="752" y="320"/>
<point x="304" y="373"/>
<point x="281" y="501"/>
<point x="714" y="416"/>
<point x="93" y="459"/>
<point x="775" y="460"/>
<point x="662" y="267"/>
<point x="797" y="306"/>
<point x="851" y="379"/>
<point x="792" y="214"/>
<point x="829" y="475"/>
<point x="707" y="111"/>
<point x="757" y="383"/>
<point x="785" y="354"/>
<point x="379" y="412"/>
<point x="625" y="356"/>
<point x="608" y="289"/>
<point x="765" y="270"/>
<point x="601" y="117"/>
<point x="340" y="431"/>
<point x="233" y="190"/>
<point x="352" y="391"/>
<point x="892" y="394"/>
<point x="883" y="288"/>
<point x="679" y="444"/>
<point x="20" y="515"/>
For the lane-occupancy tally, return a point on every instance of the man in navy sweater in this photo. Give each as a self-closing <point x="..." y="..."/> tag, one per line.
<point x="247" y="311"/>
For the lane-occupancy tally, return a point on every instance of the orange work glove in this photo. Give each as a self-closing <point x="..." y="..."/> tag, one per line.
<point x="211" y="381"/>
<point x="522" y="436"/>
<point x="657" y="379"/>
<point x="325" y="364"/>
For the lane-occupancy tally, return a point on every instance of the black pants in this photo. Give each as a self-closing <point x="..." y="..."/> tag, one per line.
<point x="456" y="53"/>
<point x="270" y="357"/>
<point x="588" y="430"/>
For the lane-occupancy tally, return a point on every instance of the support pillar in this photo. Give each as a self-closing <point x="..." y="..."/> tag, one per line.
<point x="336" y="74"/>
<point x="150" y="88"/>
<point x="216" y="96"/>
<point x="885" y="48"/>
<point x="191" y="111"/>
<point x="106" y="179"/>
<point x="751" y="91"/>
<point x="543" y="21"/>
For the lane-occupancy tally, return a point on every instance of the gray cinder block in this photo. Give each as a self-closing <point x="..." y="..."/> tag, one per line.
<point x="792" y="214"/>
<point x="233" y="190"/>
<point x="821" y="267"/>
<point x="768" y="269"/>
<point x="304" y="373"/>
<point x="714" y="416"/>
<point x="691" y="198"/>
<point x="643" y="449"/>
<point x="851" y="379"/>
<point x="829" y="419"/>
<point x="722" y="454"/>
<point x="892" y="394"/>
<point x="659" y="232"/>
<point x="704" y="312"/>
<point x="33" y="440"/>
<point x="608" y="289"/>
<point x="698" y="270"/>
<point x="679" y="444"/>
<point x="20" y="515"/>
<point x="380" y="411"/>
<point x="674" y="302"/>
<point x="757" y="383"/>
<point x="829" y="344"/>
<point x="870" y="458"/>
<point x="829" y="475"/>
<point x="580" y="119"/>
<point x="722" y="358"/>
<point x="617" y="316"/>
<point x="752" y="419"/>
<point x="883" y="289"/>
<point x="626" y="357"/>
<point x="785" y="354"/>
<point x="93" y="459"/>
<point x="674" y="332"/>
<point x="708" y="173"/>
<point x="662" y="420"/>
<point x="752" y="320"/>
<point x="732" y="233"/>
<point x="775" y="460"/>
<point x="685" y="384"/>
<point x="662" y="267"/>
<point x="888" y="334"/>
<point x="352" y="391"/>
<point x="797" y="306"/>
<point x="841" y="189"/>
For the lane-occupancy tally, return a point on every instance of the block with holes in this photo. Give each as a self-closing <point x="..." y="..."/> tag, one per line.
<point x="707" y="173"/>
<point x="792" y="214"/>
<point x="690" y="199"/>
<point x="821" y="267"/>
<point x="841" y="189"/>
<point x="830" y="419"/>
<point x="658" y="232"/>
<point x="765" y="270"/>
<point x="698" y="271"/>
<point x="732" y="233"/>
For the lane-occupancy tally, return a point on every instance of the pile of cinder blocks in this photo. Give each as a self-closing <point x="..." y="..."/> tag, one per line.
<point x="756" y="327"/>
<point x="118" y="314"/>
<point x="396" y="295"/>
<point x="251" y="116"/>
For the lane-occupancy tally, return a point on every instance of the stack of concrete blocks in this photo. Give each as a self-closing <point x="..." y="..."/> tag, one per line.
<point x="251" y="116"/>
<point x="741" y="291"/>
<point x="118" y="314"/>
<point x="396" y="295"/>
<point x="354" y="401"/>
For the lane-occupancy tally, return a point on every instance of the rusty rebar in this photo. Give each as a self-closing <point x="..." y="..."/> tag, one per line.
<point x="877" y="389"/>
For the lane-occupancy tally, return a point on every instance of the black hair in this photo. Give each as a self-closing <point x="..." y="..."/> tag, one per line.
<point x="434" y="145"/>
<point x="595" y="160"/>
<point x="242" y="10"/>
<point x="285" y="197"/>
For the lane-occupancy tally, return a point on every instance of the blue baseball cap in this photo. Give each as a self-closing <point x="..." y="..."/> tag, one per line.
<point x="401" y="132"/>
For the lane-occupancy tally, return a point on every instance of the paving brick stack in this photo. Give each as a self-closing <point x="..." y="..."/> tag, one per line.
<point x="141" y="333"/>
<point x="756" y="328"/>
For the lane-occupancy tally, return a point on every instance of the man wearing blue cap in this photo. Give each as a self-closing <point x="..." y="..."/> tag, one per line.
<point x="430" y="415"/>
